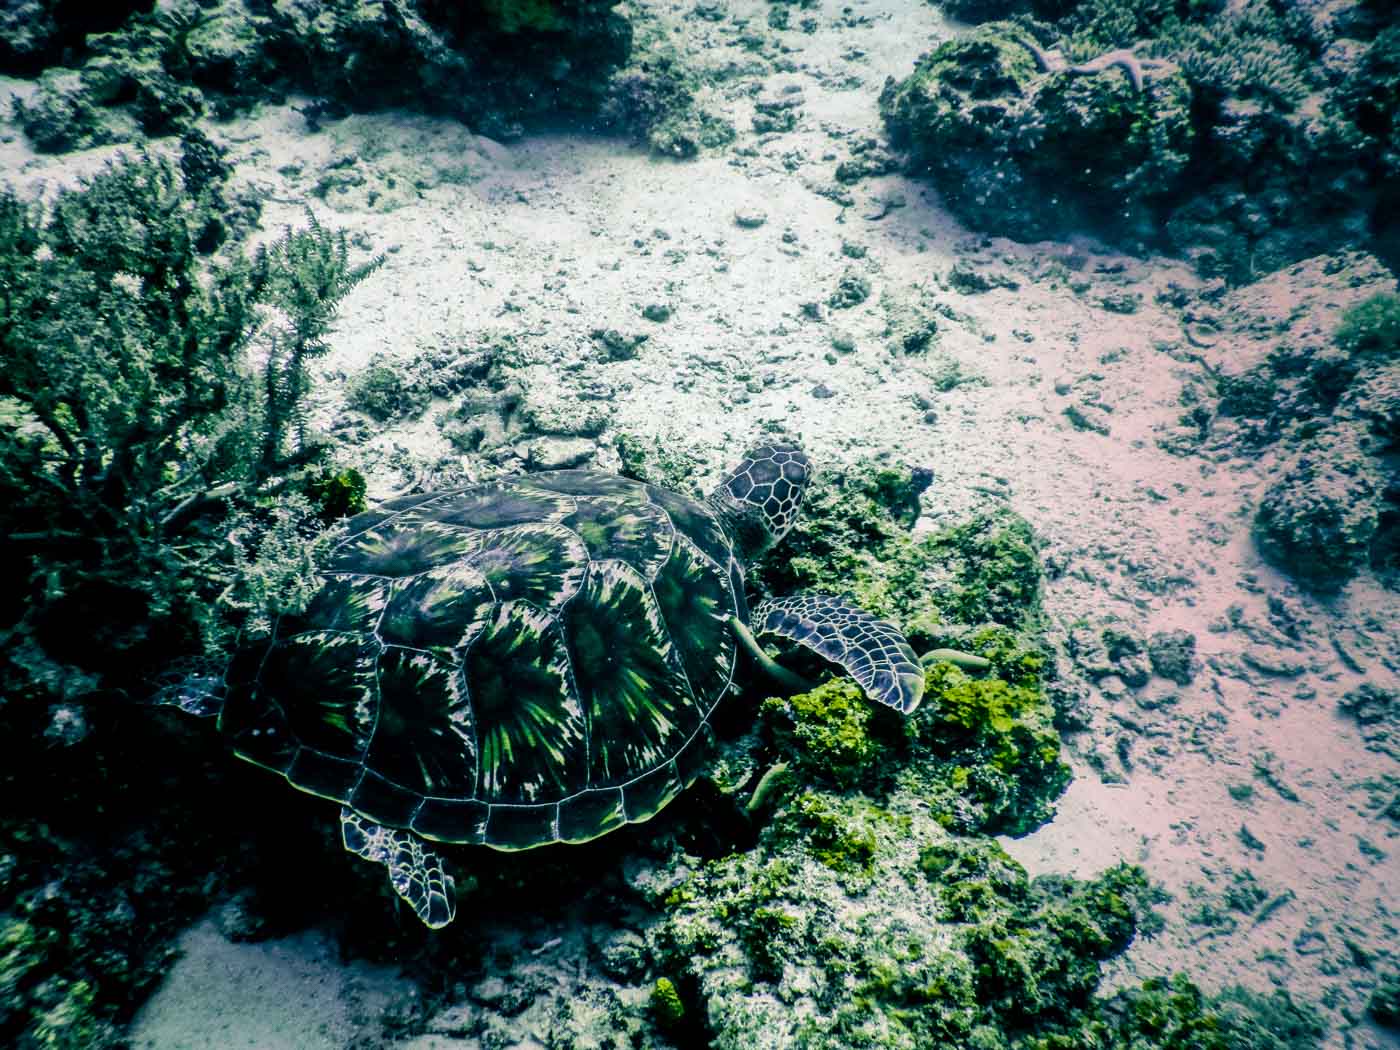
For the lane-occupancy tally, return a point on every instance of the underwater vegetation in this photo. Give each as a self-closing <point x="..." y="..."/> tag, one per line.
<point x="138" y="431"/>
<point x="873" y="910"/>
<point x="1243" y="136"/>
<point x="161" y="492"/>
<point x="492" y="63"/>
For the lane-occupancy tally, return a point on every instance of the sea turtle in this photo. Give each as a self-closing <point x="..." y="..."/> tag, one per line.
<point x="529" y="661"/>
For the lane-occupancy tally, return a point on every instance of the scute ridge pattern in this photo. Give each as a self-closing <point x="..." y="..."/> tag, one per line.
<point x="526" y="570"/>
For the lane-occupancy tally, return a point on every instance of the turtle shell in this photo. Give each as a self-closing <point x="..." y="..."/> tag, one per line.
<point x="529" y="661"/>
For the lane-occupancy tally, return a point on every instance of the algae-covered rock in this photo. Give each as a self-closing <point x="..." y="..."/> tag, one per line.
<point x="981" y="753"/>
<point x="491" y="64"/>
<point x="1244" y="136"/>
<point x="1377" y="713"/>
<point x="945" y="943"/>
<point x="854" y="536"/>
<point x="1318" y="517"/>
<point x="826" y="732"/>
<point x="62" y="115"/>
<point x="1173" y="655"/>
<point x="986" y="754"/>
<point x="35" y="34"/>
<point x="1025" y="151"/>
<point x="386" y="392"/>
<point x="1384" y="1004"/>
<point x="1174" y="1012"/>
<point x="1371" y="327"/>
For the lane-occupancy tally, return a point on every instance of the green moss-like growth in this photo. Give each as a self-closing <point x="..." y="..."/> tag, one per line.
<point x="1384" y="1004"/>
<point x="666" y="1003"/>
<point x="826" y="732"/>
<point x="943" y="941"/>
<point x="1371" y="327"/>
<point x="982" y="753"/>
<point x="338" y="494"/>
<point x="853" y="537"/>
<point x="986" y="753"/>
<point x="1174" y="1014"/>
<point x="991" y="566"/>
<point x="841" y="833"/>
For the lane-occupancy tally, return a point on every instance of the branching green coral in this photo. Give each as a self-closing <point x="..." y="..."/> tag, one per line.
<point x="135" y="418"/>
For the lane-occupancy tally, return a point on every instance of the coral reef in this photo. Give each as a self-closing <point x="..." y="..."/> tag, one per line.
<point x="39" y="33"/>
<point x="1318" y="518"/>
<point x="491" y="64"/>
<point x="996" y="132"/>
<point x="1243" y="136"/>
<point x="162" y="491"/>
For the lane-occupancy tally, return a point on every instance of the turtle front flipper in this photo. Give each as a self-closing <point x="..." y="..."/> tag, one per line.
<point x="415" y="871"/>
<point x="872" y="651"/>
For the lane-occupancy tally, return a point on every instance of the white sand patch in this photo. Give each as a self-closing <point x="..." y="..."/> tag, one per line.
<point x="295" y="993"/>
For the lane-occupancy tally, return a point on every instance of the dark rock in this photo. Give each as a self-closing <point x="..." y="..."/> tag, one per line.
<point x="1319" y="516"/>
<point x="1173" y="655"/>
<point x="852" y="290"/>
<point x="1007" y="142"/>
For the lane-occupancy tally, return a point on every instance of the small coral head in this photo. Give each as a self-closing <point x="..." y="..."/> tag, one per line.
<point x="760" y="498"/>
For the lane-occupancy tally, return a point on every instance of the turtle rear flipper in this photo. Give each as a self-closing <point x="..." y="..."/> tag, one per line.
<point x="871" y="651"/>
<point x="415" y="871"/>
<point x="194" y="684"/>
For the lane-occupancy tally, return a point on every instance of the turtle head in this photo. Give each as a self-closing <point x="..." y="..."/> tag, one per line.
<point x="759" y="499"/>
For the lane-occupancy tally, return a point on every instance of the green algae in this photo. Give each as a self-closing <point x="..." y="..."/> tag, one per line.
<point x="825" y="732"/>
<point x="998" y="762"/>
<point x="944" y="940"/>
<point x="854" y="537"/>
<point x="1384" y="1004"/>
<point x="666" y="1003"/>
<point x="873" y="910"/>
<point x="514" y="16"/>
<point x="1371" y="326"/>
